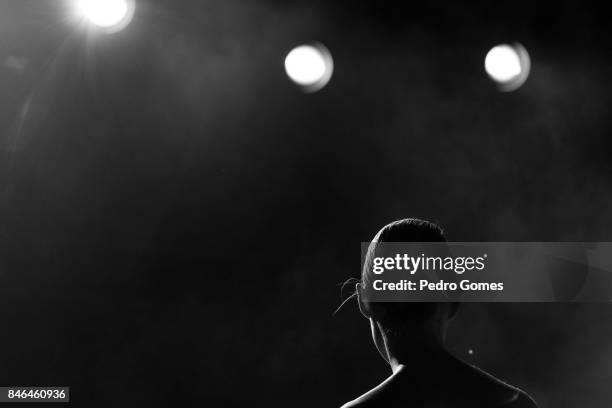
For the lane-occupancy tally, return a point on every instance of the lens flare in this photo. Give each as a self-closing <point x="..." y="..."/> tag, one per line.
<point x="309" y="66"/>
<point x="508" y="65"/>
<point x="108" y="14"/>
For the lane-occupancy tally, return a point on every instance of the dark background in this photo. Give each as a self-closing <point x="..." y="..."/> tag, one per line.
<point x="176" y="216"/>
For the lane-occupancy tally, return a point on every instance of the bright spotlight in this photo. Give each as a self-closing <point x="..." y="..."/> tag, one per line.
<point x="112" y="15"/>
<point x="309" y="66"/>
<point x="508" y="65"/>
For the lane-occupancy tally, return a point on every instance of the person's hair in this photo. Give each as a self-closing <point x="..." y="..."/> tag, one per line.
<point x="405" y="230"/>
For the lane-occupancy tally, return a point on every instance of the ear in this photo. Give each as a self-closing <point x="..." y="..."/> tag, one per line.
<point x="363" y="308"/>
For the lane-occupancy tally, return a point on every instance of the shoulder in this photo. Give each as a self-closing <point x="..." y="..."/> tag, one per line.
<point x="352" y="404"/>
<point x="496" y="392"/>
<point x="367" y="400"/>
<point x="379" y="396"/>
<point x="509" y="396"/>
<point x="360" y="403"/>
<point x="515" y="399"/>
<point x="521" y="400"/>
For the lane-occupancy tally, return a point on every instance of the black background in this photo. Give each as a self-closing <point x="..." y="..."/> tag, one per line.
<point x="176" y="216"/>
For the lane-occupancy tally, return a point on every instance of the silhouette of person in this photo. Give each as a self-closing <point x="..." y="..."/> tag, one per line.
<point x="410" y="338"/>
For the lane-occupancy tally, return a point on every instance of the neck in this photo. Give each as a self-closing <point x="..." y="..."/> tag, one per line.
<point x="418" y="354"/>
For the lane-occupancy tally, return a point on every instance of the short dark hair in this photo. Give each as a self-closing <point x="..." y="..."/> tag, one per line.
<point x="404" y="230"/>
<point x="410" y="230"/>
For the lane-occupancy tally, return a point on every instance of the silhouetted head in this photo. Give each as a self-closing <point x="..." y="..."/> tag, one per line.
<point x="403" y="322"/>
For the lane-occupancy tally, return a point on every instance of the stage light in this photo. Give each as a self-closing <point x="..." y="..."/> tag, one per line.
<point x="111" y="15"/>
<point x="508" y="65"/>
<point x="309" y="66"/>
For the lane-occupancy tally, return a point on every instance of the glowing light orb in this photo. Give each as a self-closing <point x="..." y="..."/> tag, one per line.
<point x="508" y="65"/>
<point x="309" y="66"/>
<point x="108" y="14"/>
